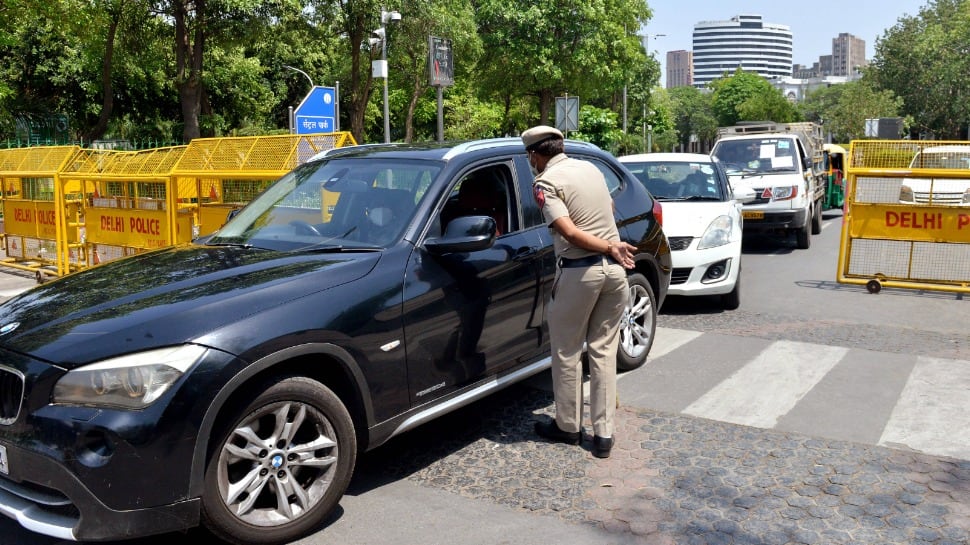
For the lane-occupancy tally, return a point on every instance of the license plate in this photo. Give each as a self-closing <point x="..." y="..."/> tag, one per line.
<point x="4" y="463"/>
<point x="753" y="214"/>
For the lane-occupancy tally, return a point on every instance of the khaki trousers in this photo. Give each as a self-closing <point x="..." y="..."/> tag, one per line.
<point x="586" y="307"/>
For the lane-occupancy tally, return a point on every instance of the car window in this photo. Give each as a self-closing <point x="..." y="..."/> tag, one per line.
<point x="484" y="191"/>
<point x="613" y="180"/>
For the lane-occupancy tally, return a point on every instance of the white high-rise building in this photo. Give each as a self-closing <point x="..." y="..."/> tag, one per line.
<point x="745" y="41"/>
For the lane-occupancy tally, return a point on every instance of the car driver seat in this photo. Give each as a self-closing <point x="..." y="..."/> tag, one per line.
<point x="482" y="195"/>
<point x="387" y="211"/>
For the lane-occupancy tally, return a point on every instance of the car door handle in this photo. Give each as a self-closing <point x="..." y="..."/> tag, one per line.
<point x="525" y="252"/>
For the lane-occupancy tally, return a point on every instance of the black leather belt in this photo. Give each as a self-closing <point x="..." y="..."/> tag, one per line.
<point x="588" y="261"/>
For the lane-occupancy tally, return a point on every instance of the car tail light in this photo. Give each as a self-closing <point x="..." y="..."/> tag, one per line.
<point x="658" y="212"/>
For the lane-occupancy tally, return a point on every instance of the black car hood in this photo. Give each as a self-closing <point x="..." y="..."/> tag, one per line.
<point x="163" y="298"/>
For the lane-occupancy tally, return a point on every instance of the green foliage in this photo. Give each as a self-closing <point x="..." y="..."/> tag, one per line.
<point x="56" y="52"/>
<point x="843" y="109"/>
<point x="544" y="50"/>
<point x="925" y="60"/>
<point x="746" y="96"/>
<point x="692" y="114"/>
<point x="599" y="126"/>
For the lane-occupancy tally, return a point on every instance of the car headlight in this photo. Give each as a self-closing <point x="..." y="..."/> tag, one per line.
<point x="966" y="196"/>
<point x="906" y="194"/>
<point x="718" y="233"/>
<point x="133" y="381"/>
<point x="784" y="193"/>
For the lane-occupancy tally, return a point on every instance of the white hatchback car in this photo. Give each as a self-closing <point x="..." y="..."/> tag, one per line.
<point x="702" y="220"/>
<point x="938" y="191"/>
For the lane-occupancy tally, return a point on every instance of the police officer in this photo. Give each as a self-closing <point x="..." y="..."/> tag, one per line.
<point x="590" y="291"/>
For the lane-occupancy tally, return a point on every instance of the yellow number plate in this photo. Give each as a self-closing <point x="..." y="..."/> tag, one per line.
<point x="753" y="214"/>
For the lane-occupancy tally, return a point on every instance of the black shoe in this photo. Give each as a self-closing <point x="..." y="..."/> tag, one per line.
<point x="602" y="446"/>
<point x="550" y="430"/>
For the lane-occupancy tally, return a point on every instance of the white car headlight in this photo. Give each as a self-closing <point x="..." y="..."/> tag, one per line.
<point x="718" y="233"/>
<point x="784" y="193"/>
<point x="133" y="381"/>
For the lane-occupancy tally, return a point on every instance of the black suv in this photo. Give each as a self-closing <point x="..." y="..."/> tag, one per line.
<point x="233" y="381"/>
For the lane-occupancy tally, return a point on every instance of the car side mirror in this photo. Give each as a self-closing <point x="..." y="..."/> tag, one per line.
<point x="464" y="234"/>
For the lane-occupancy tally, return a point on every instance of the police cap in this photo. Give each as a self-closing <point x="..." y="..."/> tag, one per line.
<point x="538" y="134"/>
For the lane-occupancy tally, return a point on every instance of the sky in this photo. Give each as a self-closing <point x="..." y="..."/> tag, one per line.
<point x="813" y="22"/>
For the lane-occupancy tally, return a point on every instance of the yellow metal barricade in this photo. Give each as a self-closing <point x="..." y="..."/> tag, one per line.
<point x="39" y="209"/>
<point x="66" y="208"/>
<point x="218" y="175"/>
<point x="907" y="216"/>
<point x="130" y="202"/>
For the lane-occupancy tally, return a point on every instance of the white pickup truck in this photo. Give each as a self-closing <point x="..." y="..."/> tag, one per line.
<point x="783" y="164"/>
<point x="938" y="191"/>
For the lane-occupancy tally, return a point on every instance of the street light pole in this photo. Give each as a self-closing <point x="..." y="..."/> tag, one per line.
<point x="295" y="69"/>
<point x="288" y="67"/>
<point x="648" y="128"/>
<point x="381" y="33"/>
<point x="387" y="113"/>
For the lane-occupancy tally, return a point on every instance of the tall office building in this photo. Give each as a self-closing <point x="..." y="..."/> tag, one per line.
<point x="848" y="54"/>
<point x="745" y="41"/>
<point x="680" y="68"/>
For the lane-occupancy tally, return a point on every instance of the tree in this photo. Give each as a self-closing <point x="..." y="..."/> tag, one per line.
<point x="692" y="114"/>
<point x="747" y="96"/>
<point x="451" y="19"/>
<point x="843" y="108"/>
<point x="925" y="60"/>
<point x="196" y="25"/>
<point x="545" y="50"/>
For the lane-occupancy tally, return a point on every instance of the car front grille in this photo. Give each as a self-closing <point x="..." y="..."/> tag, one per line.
<point x="679" y="243"/>
<point x="11" y="395"/>
<point x="939" y="198"/>
<point x="680" y="275"/>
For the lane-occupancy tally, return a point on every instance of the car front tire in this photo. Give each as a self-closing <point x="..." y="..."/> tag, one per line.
<point x="638" y="325"/>
<point x="280" y="466"/>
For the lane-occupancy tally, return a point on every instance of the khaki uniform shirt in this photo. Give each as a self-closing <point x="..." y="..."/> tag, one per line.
<point x="575" y="188"/>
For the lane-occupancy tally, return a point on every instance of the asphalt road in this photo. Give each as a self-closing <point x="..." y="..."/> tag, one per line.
<point x="795" y="419"/>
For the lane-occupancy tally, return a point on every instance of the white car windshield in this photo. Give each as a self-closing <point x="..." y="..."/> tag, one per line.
<point x="942" y="158"/>
<point x="678" y="180"/>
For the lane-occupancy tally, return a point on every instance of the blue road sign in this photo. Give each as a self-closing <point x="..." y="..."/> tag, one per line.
<point x="317" y="111"/>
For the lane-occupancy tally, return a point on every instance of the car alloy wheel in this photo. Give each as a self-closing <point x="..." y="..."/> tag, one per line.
<point x="282" y="467"/>
<point x="638" y="325"/>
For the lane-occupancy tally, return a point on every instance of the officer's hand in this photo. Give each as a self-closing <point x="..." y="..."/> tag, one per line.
<point x="622" y="253"/>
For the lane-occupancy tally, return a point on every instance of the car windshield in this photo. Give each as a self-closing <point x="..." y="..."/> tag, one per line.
<point x="930" y="158"/>
<point x="678" y="180"/>
<point x="757" y="156"/>
<point x="361" y="203"/>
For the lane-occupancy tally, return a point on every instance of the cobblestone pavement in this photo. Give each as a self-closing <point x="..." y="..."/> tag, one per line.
<point x="676" y="479"/>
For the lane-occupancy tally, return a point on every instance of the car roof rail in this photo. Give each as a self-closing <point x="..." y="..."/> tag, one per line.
<point x="489" y="143"/>
<point x="333" y="151"/>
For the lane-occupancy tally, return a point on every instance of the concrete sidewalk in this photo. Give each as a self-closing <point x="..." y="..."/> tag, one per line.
<point x="14" y="282"/>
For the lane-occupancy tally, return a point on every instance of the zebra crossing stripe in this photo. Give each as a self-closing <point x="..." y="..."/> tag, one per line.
<point x="786" y="369"/>
<point x="666" y="340"/>
<point x="931" y="413"/>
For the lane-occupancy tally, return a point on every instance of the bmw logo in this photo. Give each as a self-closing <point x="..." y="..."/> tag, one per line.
<point x="7" y="328"/>
<point x="276" y="461"/>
